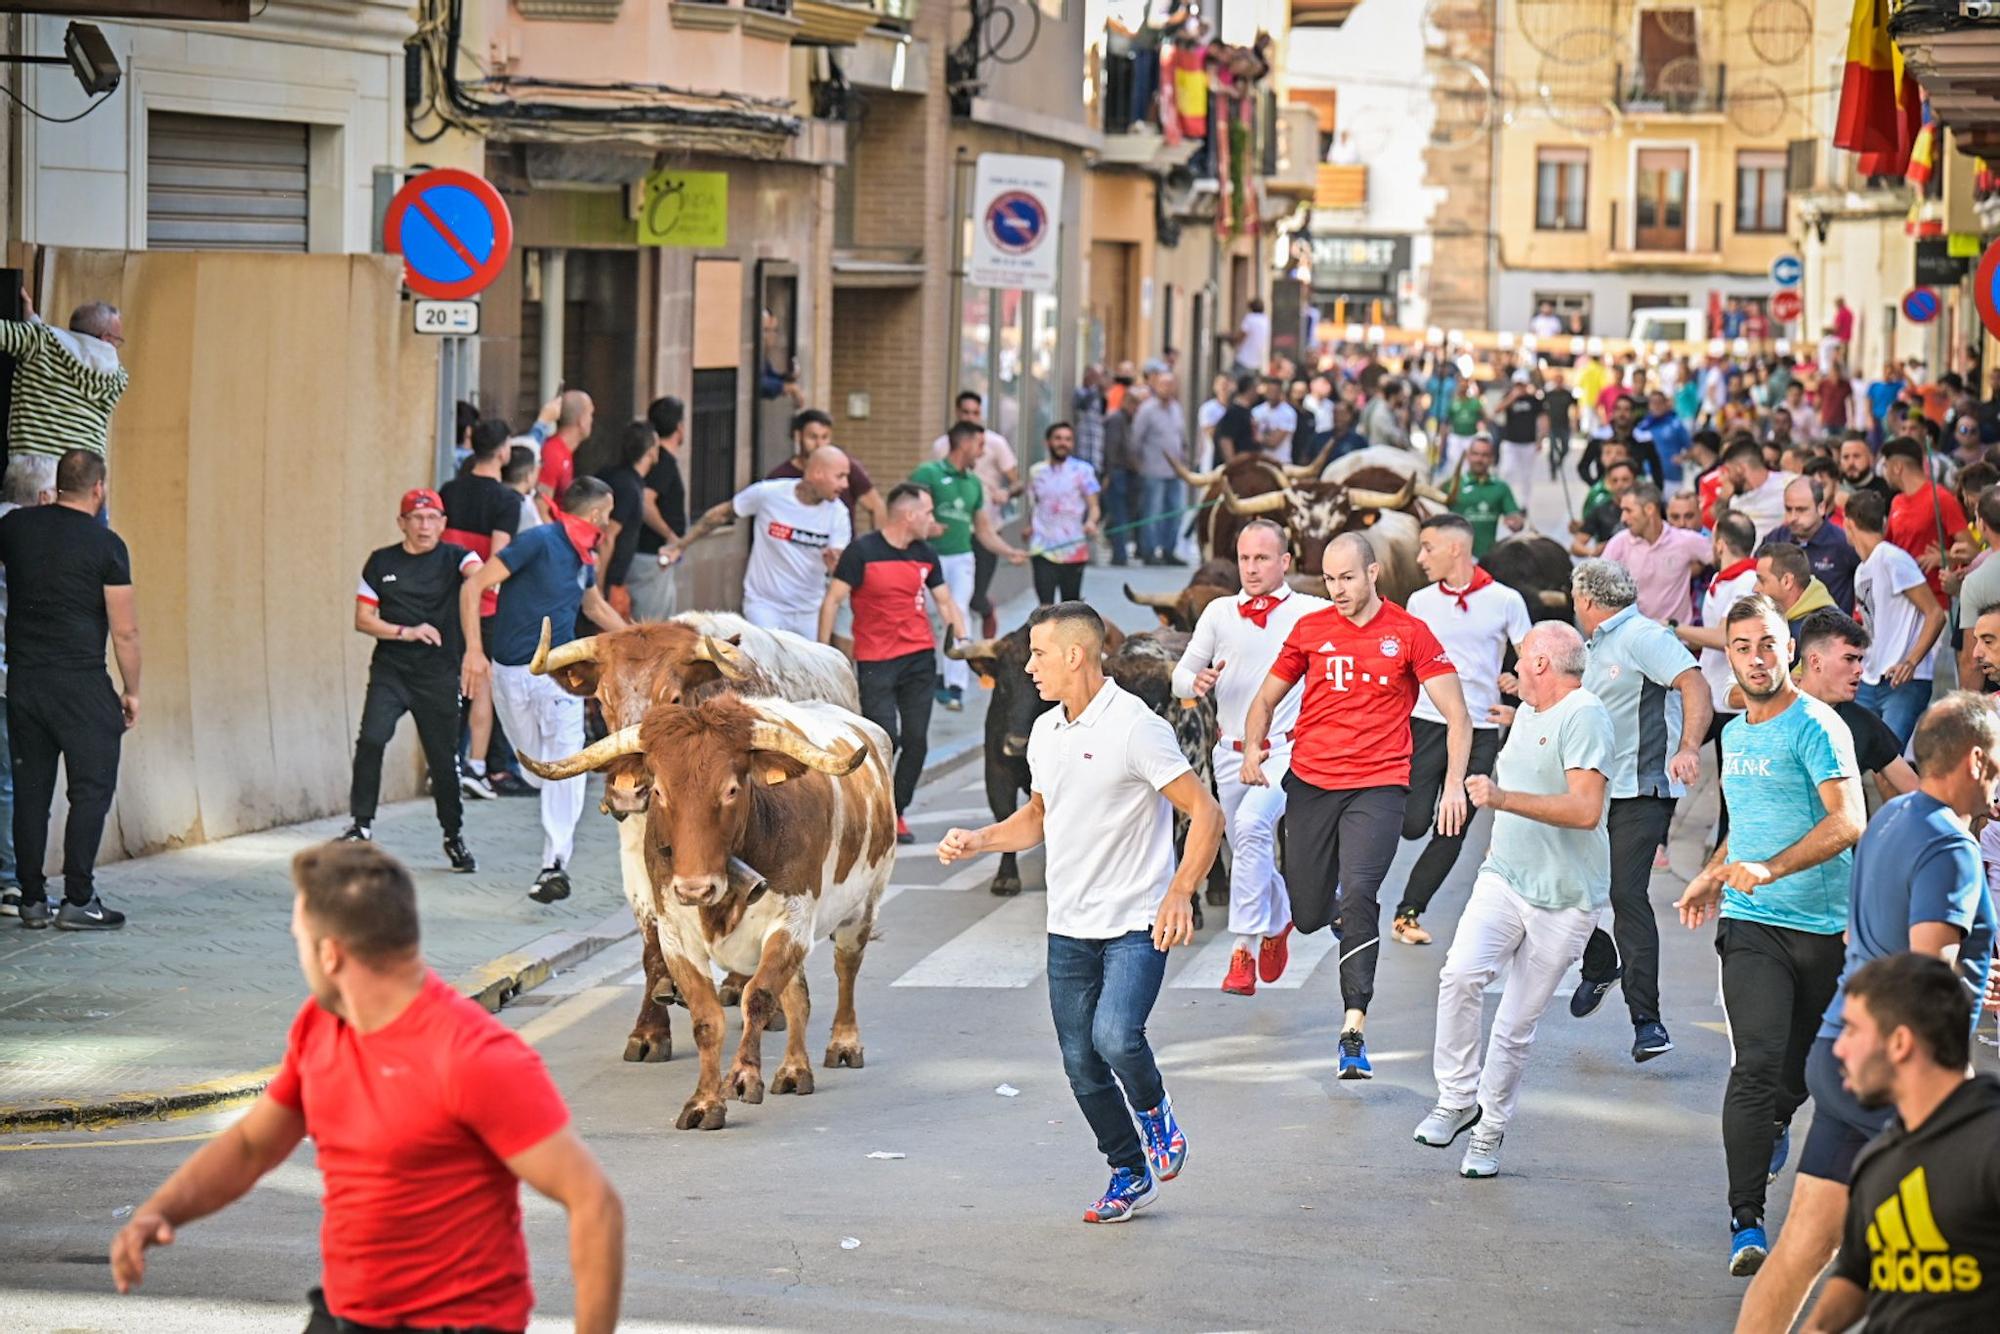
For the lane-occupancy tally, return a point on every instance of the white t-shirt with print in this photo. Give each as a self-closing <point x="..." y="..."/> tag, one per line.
<point x="1108" y="832"/>
<point x="787" y="566"/>
<point x="1880" y="583"/>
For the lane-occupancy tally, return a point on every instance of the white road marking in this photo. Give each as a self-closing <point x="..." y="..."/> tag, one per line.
<point x="964" y="878"/>
<point x="1207" y="969"/>
<point x="577" y="1008"/>
<point x="1006" y="948"/>
<point x="984" y="813"/>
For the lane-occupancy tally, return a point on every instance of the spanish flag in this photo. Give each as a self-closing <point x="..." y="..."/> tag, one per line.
<point x="1880" y="108"/>
<point x="1923" y="154"/>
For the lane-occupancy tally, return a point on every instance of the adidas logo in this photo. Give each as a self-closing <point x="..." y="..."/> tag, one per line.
<point x="1909" y="1253"/>
<point x="1327" y="648"/>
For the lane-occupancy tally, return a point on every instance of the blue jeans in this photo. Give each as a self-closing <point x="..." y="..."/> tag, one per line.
<point x="1898" y="706"/>
<point x="1100" y="993"/>
<point x="1160" y="506"/>
<point x="10" y="875"/>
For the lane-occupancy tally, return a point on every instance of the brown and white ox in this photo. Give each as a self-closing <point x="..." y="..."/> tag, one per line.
<point x="800" y="791"/>
<point x="696" y="654"/>
<point x="1377" y="492"/>
<point x="1244" y="475"/>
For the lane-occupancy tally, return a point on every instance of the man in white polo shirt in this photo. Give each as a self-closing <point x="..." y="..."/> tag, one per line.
<point x="1475" y="619"/>
<point x="801" y="528"/>
<point x="1106" y="776"/>
<point x="1234" y="644"/>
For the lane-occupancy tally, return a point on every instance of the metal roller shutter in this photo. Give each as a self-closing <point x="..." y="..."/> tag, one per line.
<point x="220" y="183"/>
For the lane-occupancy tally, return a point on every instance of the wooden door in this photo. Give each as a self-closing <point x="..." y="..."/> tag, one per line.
<point x="1660" y="199"/>
<point x="1111" y="297"/>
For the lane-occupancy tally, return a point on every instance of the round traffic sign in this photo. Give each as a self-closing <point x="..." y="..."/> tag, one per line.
<point x="1787" y="306"/>
<point x="1920" y="305"/>
<point x="1983" y="295"/>
<point x="1786" y="270"/>
<point x="453" y="231"/>
<point x="1016" y="222"/>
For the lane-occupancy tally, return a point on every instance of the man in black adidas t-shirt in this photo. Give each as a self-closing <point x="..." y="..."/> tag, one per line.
<point x="1921" y="1250"/>
<point x="408" y="603"/>
<point x="886" y="572"/>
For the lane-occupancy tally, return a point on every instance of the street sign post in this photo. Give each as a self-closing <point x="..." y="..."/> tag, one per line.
<point x="1786" y="270"/>
<point x="1920" y="305"/>
<point x="1787" y="306"/>
<point x="453" y="231"/>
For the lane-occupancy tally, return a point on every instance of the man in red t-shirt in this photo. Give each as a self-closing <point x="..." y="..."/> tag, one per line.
<point x="575" y="414"/>
<point x="1363" y="660"/>
<point x="1920" y="510"/>
<point x="425" y="1112"/>
<point x="885" y="574"/>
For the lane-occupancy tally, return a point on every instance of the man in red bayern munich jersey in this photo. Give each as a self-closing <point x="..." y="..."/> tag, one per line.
<point x="424" y="1111"/>
<point x="1362" y="660"/>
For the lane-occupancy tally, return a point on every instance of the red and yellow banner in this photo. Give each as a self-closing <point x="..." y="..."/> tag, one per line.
<point x="1880" y="104"/>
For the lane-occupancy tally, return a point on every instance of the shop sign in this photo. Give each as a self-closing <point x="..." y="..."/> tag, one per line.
<point x="1936" y="265"/>
<point x="684" y="208"/>
<point x="1016" y="228"/>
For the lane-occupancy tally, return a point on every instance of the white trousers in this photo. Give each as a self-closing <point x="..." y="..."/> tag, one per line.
<point x="545" y="721"/>
<point x="655" y="591"/>
<point x="958" y="571"/>
<point x="1454" y="450"/>
<point x="1518" y="465"/>
<point x="1258" y="902"/>
<point x="1499" y="929"/>
<point x="769" y="616"/>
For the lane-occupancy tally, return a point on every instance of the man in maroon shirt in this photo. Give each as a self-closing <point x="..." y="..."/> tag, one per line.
<point x="425" y="1113"/>
<point x="1363" y="660"/>
<point x="885" y="573"/>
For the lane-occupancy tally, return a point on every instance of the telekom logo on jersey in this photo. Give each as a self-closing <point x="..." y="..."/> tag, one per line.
<point x="1339" y="669"/>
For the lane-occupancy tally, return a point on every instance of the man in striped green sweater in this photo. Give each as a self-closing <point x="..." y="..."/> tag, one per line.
<point x="66" y="381"/>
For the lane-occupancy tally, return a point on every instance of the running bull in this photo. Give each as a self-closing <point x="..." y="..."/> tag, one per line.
<point x="692" y="656"/>
<point x="1142" y="664"/>
<point x="801" y="791"/>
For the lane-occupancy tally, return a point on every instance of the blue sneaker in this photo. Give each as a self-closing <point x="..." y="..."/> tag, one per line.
<point x="1747" y="1248"/>
<point x="1591" y="993"/>
<point x="1129" y="1192"/>
<point x="1166" y="1146"/>
<point x="1780" y="1151"/>
<point x="1354" y="1056"/>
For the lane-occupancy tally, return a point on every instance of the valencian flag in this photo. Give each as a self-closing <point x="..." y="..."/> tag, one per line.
<point x="1880" y="110"/>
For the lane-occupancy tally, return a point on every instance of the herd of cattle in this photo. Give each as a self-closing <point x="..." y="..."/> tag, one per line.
<point x="754" y="801"/>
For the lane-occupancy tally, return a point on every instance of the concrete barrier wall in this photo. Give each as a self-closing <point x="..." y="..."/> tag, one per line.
<point x="279" y="406"/>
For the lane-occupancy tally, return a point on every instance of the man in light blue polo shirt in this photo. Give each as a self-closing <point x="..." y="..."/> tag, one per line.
<point x="1781" y="878"/>
<point x="1660" y="709"/>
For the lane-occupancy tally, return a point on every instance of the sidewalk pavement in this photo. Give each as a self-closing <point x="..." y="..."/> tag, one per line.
<point x="188" y="1006"/>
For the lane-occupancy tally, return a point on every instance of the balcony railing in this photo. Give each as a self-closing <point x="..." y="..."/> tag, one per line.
<point x="1682" y="87"/>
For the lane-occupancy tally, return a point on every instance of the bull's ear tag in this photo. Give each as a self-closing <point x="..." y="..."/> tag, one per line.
<point x="985" y="681"/>
<point x="774" y="776"/>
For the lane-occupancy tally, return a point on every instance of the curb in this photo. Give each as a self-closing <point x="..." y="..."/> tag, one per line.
<point x="492" y="984"/>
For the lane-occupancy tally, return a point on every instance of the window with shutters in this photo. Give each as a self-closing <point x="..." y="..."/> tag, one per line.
<point x="1561" y="178"/>
<point x="225" y="183"/>
<point x="1760" y="191"/>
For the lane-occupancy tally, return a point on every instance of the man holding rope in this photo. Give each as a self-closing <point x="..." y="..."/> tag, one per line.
<point x="1062" y="517"/>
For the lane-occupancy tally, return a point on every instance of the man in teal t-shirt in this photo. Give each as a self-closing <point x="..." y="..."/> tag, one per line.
<point x="1484" y="499"/>
<point x="1795" y="810"/>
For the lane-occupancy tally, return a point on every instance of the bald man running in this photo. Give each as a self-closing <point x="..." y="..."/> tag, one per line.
<point x="801" y="527"/>
<point x="1362" y="660"/>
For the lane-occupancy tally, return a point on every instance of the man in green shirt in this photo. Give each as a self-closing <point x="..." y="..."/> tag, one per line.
<point x="1483" y="499"/>
<point x="1464" y="418"/>
<point x="959" y="502"/>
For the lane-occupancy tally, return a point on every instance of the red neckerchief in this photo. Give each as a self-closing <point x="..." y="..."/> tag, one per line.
<point x="1479" y="580"/>
<point x="1723" y="576"/>
<point x="1259" y="608"/>
<point x="583" y="535"/>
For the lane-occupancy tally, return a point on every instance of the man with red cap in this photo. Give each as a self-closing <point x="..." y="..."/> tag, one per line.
<point x="408" y="604"/>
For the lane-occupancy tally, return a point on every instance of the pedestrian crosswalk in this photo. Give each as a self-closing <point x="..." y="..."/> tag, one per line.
<point x="1210" y="964"/>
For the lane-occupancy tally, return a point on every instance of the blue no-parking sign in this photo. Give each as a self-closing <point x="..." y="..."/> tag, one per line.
<point x="453" y="231"/>
<point x="1920" y="305"/>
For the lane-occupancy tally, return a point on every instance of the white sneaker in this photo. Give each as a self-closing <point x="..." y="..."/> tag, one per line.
<point x="1446" y="1124"/>
<point x="475" y="785"/>
<point x="1482" y="1155"/>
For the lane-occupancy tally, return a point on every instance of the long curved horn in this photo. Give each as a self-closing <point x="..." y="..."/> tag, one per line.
<point x="966" y="649"/>
<point x="548" y="660"/>
<point x="625" y="741"/>
<point x="727" y="657"/>
<point x="770" y="736"/>
<point x="1429" y="492"/>
<point x="1361" y="498"/>
<point x="1269" y="503"/>
<point x="1300" y="472"/>
<point x="1200" y="479"/>
<point x="1157" y="601"/>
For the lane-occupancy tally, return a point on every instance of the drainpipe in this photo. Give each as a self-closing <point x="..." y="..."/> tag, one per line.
<point x="549" y="372"/>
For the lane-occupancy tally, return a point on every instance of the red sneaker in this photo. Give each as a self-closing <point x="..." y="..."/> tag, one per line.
<point x="903" y="834"/>
<point x="1274" y="954"/>
<point x="1242" y="979"/>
